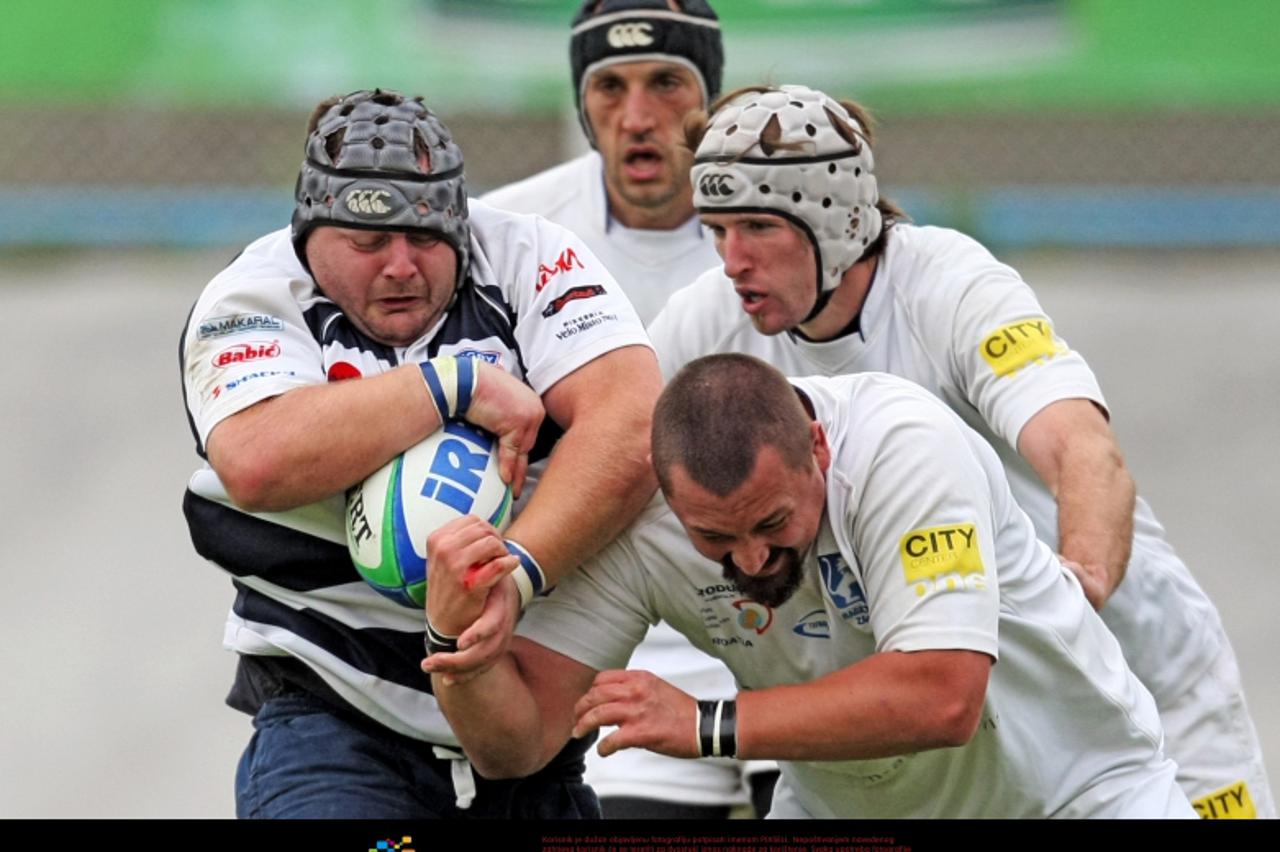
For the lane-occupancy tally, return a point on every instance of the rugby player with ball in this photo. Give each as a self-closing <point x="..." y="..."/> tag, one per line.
<point x="321" y="354"/>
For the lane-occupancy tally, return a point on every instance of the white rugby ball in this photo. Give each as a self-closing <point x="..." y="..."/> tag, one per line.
<point x="454" y="472"/>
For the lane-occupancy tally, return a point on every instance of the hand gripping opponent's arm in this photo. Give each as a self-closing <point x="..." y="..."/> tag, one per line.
<point x="514" y="713"/>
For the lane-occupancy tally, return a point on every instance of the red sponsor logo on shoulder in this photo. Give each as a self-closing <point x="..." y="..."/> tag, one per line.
<point x="573" y="294"/>
<point x="244" y="352"/>
<point x="566" y="261"/>
<point x="344" y="370"/>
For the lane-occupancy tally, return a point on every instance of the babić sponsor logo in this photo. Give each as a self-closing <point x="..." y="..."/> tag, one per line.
<point x="1014" y="346"/>
<point x="942" y="558"/>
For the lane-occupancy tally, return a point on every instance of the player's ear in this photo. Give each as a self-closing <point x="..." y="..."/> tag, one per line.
<point x="821" y="449"/>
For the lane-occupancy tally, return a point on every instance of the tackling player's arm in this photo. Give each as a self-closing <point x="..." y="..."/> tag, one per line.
<point x="312" y="442"/>
<point x="1072" y="448"/>
<point x="516" y="715"/>
<point x="598" y="477"/>
<point x="889" y="703"/>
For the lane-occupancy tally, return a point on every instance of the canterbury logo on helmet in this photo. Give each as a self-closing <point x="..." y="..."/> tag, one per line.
<point x="631" y="35"/>
<point x="717" y="185"/>
<point x="369" y="202"/>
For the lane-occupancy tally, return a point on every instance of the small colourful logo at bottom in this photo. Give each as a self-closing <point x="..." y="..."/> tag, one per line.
<point x="401" y="845"/>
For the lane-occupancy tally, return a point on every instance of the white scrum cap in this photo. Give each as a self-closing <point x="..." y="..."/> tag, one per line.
<point x="811" y="171"/>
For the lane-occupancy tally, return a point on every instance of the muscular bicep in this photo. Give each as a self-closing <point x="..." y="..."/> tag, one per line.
<point x="621" y="385"/>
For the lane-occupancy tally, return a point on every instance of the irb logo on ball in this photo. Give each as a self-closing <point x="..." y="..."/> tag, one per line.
<point x="457" y="468"/>
<point x="453" y="472"/>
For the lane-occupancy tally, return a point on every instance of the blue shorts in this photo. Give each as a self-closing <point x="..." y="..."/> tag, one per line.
<point x="306" y="760"/>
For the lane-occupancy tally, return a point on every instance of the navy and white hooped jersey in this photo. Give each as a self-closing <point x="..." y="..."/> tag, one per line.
<point x="537" y="303"/>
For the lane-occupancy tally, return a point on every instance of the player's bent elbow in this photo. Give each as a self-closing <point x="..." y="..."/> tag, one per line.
<point x="505" y="764"/>
<point x="250" y="482"/>
<point x="957" y="721"/>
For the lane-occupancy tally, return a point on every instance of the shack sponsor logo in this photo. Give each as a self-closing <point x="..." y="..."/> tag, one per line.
<point x="243" y="353"/>
<point x="1012" y="347"/>
<point x="586" y="322"/>
<point x="753" y="615"/>
<point x="1231" y="802"/>
<point x="843" y="588"/>
<point x="942" y="558"/>
<point x="813" y="625"/>
<point x="237" y="324"/>
<point x="573" y="294"/>
<point x="566" y="261"/>
<point x="252" y="377"/>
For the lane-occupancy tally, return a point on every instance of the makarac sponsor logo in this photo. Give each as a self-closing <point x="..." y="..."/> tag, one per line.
<point x="1012" y="347"/>
<point x="241" y="353"/>
<point x="630" y="34"/>
<point x="573" y="294"/>
<point x="393" y="845"/>
<point x="843" y="588"/>
<point x="567" y="260"/>
<point x="945" y="557"/>
<point x="237" y="324"/>
<point x="753" y="615"/>
<point x="1231" y="802"/>
<point x="813" y="625"/>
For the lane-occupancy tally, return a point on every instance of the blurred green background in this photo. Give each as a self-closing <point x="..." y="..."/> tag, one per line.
<point x="1027" y="122"/>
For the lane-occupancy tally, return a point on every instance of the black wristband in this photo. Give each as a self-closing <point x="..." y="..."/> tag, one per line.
<point x="717" y="728"/>
<point x="438" y="643"/>
<point x="706" y="724"/>
<point x="727" y="736"/>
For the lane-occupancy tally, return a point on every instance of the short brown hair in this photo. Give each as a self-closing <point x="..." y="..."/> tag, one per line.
<point x="716" y="414"/>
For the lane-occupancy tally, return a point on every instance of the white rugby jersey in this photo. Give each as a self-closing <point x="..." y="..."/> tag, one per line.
<point x="650" y="265"/>
<point x="922" y="547"/>
<point x="537" y="303"/>
<point x="942" y="312"/>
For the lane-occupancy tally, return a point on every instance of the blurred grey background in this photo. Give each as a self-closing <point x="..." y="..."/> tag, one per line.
<point x="1122" y="156"/>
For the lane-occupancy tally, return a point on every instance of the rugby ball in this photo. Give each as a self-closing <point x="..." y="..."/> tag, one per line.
<point x="454" y="472"/>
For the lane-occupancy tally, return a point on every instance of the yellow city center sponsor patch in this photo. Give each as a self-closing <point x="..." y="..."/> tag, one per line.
<point x="942" y="557"/>
<point x="1014" y="346"/>
<point x="1231" y="802"/>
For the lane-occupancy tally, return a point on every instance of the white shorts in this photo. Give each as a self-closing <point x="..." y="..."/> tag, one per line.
<point x="1208" y="733"/>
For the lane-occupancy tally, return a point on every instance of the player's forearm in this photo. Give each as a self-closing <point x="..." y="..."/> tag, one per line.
<point x="1095" y="497"/>
<point x="887" y="704"/>
<point x="496" y="720"/>
<point x="311" y="443"/>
